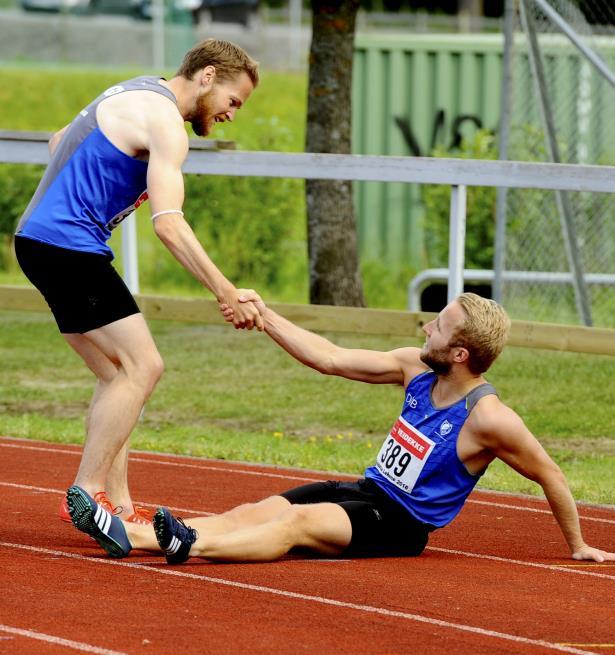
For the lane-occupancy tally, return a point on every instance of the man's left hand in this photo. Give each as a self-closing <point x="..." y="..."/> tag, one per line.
<point x="588" y="553"/>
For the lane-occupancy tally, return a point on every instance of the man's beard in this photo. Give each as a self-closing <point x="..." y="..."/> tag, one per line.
<point x="201" y="120"/>
<point x="437" y="360"/>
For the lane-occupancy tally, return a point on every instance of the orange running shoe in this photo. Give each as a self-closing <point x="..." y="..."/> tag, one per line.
<point x="63" y="511"/>
<point x="142" y="516"/>
<point x="100" y="498"/>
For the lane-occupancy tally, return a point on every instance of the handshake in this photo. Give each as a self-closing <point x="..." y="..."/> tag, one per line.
<point x="244" y="308"/>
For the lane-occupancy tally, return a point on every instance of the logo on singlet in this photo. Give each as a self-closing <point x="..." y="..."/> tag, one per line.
<point x="113" y="90"/>
<point x="445" y="428"/>
<point x="411" y="401"/>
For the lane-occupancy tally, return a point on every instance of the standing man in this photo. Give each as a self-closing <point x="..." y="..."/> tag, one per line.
<point x="451" y="427"/>
<point x="127" y="146"/>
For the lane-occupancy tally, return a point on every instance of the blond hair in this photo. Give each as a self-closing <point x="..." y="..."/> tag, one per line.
<point x="228" y="59"/>
<point x="483" y="332"/>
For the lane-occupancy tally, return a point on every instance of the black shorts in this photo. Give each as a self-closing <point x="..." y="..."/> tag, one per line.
<point x="82" y="289"/>
<point x="380" y="526"/>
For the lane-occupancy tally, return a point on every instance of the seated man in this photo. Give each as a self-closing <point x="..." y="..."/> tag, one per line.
<point x="452" y="426"/>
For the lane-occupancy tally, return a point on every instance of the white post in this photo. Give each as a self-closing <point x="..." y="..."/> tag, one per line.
<point x="130" y="258"/>
<point x="457" y="241"/>
<point x="158" y="50"/>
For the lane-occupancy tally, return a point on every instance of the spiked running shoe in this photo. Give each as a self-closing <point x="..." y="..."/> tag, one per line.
<point x="93" y="519"/>
<point x="174" y="536"/>
<point x="101" y="498"/>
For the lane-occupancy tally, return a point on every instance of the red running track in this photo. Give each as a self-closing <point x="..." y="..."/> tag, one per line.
<point x="497" y="581"/>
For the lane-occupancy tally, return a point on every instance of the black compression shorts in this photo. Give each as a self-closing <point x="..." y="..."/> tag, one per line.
<point x="380" y="526"/>
<point x="82" y="289"/>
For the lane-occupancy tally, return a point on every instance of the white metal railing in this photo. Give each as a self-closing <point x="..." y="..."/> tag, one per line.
<point x="423" y="279"/>
<point x="31" y="148"/>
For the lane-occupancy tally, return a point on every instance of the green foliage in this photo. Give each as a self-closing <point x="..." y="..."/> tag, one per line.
<point x="17" y="184"/>
<point x="480" y="210"/>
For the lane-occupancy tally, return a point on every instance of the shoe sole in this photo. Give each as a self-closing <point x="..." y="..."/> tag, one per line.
<point x="84" y="517"/>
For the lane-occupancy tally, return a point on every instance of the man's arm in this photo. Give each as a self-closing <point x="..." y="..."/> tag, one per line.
<point x="394" y="367"/>
<point x="168" y="147"/>
<point x="503" y="432"/>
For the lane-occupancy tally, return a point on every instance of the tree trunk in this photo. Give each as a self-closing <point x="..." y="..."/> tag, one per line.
<point x="335" y="278"/>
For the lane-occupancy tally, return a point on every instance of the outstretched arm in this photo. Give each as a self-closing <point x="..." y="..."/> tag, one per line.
<point x="505" y="434"/>
<point x="168" y="147"/>
<point x="394" y="367"/>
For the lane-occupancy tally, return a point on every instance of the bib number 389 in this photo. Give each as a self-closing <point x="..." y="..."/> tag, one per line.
<point x="403" y="455"/>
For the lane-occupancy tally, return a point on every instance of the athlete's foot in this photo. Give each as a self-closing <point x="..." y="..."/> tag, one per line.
<point x="92" y="518"/>
<point x="174" y="536"/>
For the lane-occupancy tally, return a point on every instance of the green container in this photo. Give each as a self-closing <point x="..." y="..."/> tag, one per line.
<point x="412" y="92"/>
<point x="409" y="94"/>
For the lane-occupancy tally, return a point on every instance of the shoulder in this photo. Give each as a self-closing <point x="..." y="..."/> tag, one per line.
<point x="165" y="127"/>
<point x="493" y="421"/>
<point x="409" y="360"/>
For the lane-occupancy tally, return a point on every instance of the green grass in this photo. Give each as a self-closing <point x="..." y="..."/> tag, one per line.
<point x="235" y="395"/>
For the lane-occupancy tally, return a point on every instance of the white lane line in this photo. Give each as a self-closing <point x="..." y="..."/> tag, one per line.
<point x="284" y="477"/>
<point x="203" y="467"/>
<point x="29" y="487"/>
<point x="224" y="469"/>
<point x="322" y="600"/>
<point x="494" y="558"/>
<point x="564" y="567"/>
<point x="532" y="509"/>
<point x="59" y="641"/>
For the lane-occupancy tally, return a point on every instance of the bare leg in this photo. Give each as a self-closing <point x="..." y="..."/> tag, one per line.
<point x="243" y="516"/>
<point x="323" y="527"/>
<point x="127" y="346"/>
<point x="117" y="479"/>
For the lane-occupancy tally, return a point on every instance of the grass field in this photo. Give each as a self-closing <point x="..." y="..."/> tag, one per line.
<point x="235" y="395"/>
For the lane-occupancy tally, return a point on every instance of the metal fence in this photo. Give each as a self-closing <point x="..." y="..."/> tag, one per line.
<point x="459" y="174"/>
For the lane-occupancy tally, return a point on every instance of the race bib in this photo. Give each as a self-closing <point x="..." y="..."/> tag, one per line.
<point x="403" y="455"/>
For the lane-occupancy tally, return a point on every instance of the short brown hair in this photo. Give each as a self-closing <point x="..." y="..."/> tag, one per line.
<point x="483" y="332"/>
<point x="228" y="59"/>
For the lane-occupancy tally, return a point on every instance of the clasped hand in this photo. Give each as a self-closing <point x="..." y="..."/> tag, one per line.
<point x="244" y="310"/>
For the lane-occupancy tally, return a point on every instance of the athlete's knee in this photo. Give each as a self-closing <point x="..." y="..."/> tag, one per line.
<point x="146" y="371"/>
<point x="155" y="369"/>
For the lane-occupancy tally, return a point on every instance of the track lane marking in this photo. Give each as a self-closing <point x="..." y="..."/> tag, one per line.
<point x="59" y="641"/>
<point x="284" y="477"/>
<point x="144" y="460"/>
<point x="533" y="509"/>
<point x="322" y="600"/>
<point x="565" y="568"/>
<point x="495" y="558"/>
<point x="29" y="487"/>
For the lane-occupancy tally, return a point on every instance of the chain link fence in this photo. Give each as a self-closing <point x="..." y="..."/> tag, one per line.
<point x="544" y="232"/>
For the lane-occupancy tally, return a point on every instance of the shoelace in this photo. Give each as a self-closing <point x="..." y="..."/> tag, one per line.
<point x="143" y="512"/>
<point x="105" y="503"/>
<point x="191" y="531"/>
